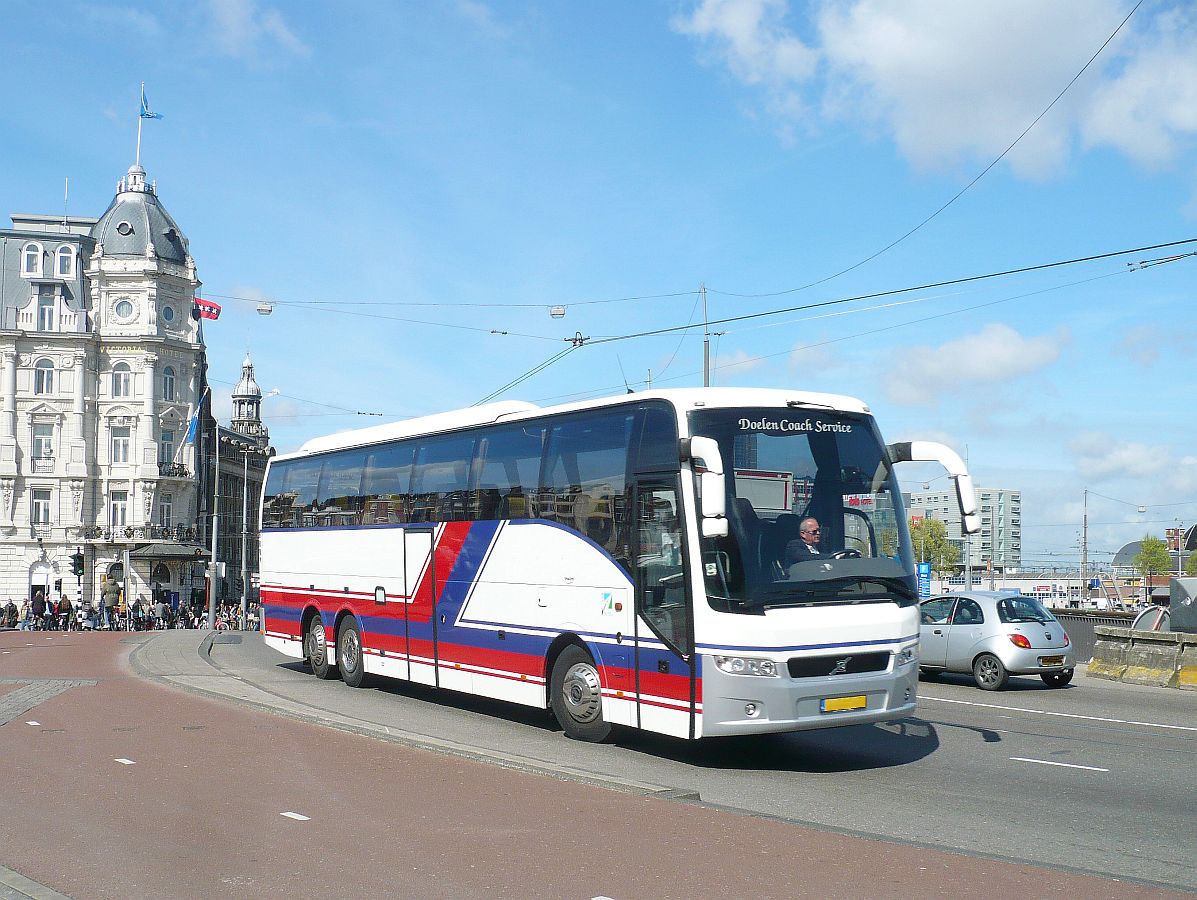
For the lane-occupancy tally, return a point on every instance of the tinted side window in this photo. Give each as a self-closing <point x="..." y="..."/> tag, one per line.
<point x="585" y="480"/>
<point x="385" y="484"/>
<point x="339" y="496"/>
<point x="440" y="479"/>
<point x="291" y="492"/>
<point x="656" y="445"/>
<point x="508" y="470"/>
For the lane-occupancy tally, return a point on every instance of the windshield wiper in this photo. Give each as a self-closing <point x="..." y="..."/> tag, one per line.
<point x="828" y="590"/>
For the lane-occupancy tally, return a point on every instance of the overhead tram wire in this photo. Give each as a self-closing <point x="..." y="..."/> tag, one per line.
<point x="848" y="337"/>
<point x="320" y="303"/>
<point x="921" y="287"/>
<point x="959" y="193"/>
<point x="533" y="371"/>
<point x="342" y="409"/>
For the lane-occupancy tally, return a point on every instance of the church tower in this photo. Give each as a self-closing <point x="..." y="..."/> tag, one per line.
<point x="247" y="407"/>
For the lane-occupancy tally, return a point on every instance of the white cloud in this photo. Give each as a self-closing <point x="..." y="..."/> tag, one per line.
<point x="1149" y="108"/>
<point x="242" y="28"/>
<point x="995" y="355"/>
<point x="956" y="83"/>
<point x="751" y="38"/>
<point x="1098" y="456"/>
<point x="734" y="365"/>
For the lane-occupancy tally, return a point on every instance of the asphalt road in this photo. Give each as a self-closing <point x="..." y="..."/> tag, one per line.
<point x="123" y="785"/>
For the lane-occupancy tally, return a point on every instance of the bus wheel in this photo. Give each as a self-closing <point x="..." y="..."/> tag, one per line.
<point x="315" y="647"/>
<point x="349" y="653"/>
<point x="575" y="694"/>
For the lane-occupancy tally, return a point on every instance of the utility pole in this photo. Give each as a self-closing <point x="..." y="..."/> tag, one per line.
<point x="213" y="567"/>
<point x="1085" y="547"/>
<point x="706" y="339"/>
<point x="244" y="539"/>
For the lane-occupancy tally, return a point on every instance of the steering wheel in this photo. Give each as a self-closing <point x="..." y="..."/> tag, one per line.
<point x="846" y="554"/>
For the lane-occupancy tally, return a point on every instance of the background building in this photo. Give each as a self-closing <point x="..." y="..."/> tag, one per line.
<point x="102" y="369"/>
<point x="999" y="542"/>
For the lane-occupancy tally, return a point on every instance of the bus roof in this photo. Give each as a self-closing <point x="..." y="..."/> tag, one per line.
<point x="515" y="410"/>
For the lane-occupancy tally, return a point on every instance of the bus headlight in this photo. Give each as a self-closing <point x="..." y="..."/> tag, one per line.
<point x="905" y="656"/>
<point x="746" y="665"/>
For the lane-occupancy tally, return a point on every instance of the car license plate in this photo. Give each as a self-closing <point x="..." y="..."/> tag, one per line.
<point x="1051" y="660"/>
<point x="842" y="704"/>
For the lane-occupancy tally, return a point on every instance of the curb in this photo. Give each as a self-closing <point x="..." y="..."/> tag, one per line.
<point x="291" y="709"/>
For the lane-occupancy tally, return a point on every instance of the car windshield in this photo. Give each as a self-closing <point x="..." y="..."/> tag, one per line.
<point x="814" y="512"/>
<point x="1023" y="609"/>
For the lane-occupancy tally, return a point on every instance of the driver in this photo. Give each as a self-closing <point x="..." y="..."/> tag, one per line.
<point x="806" y="545"/>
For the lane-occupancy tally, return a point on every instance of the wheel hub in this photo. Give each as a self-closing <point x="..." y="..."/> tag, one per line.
<point x="582" y="693"/>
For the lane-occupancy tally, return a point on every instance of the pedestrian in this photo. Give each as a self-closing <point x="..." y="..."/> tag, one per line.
<point x="64" y="613"/>
<point x="39" y="611"/>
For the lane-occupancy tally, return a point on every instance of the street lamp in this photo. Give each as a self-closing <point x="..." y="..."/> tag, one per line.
<point x="244" y="536"/>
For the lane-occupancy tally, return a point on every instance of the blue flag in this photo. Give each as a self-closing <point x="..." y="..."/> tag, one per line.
<point x="193" y="425"/>
<point x="145" y="107"/>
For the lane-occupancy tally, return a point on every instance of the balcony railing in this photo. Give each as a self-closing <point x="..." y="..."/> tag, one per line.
<point x="141" y="533"/>
<point x="42" y="465"/>
<point x="173" y="470"/>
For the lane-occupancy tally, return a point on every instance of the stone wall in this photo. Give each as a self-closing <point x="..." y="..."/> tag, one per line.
<point x="1160" y="658"/>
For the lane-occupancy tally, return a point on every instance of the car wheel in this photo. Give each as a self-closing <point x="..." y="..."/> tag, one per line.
<point x="575" y="695"/>
<point x="316" y="649"/>
<point x="1057" y="679"/>
<point x="989" y="673"/>
<point x="349" y="653"/>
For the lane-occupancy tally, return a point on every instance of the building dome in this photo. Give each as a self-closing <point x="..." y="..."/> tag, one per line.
<point x="247" y="386"/>
<point x="136" y="225"/>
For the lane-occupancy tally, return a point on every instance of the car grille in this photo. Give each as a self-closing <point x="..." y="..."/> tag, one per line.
<point x="852" y="664"/>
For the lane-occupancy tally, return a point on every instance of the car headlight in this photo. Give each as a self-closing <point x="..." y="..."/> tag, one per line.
<point x="746" y="665"/>
<point x="905" y="656"/>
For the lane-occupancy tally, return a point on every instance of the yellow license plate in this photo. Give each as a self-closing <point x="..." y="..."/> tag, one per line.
<point x="1051" y="661"/>
<point x="842" y="704"/>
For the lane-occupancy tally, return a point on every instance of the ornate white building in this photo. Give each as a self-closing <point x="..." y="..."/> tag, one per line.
<point x="101" y="369"/>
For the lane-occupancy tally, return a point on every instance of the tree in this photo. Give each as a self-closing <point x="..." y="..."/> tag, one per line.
<point x="931" y="544"/>
<point x="1152" y="559"/>
<point x="1191" y="564"/>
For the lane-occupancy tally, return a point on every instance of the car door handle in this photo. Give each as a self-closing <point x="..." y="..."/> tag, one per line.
<point x="937" y="631"/>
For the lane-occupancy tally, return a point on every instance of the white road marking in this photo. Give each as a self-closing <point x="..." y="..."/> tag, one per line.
<point x="1048" y="762"/>
<point x="125" y="762"/>
<point x="1042" y="712"/>
<point x="31" y="722"/>
<point x="296" y="816"/>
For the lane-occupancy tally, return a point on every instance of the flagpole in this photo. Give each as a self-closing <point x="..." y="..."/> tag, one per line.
<point x="139" y="118"/>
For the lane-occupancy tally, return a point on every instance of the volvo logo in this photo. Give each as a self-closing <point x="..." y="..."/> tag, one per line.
<point x="841" y="666"/>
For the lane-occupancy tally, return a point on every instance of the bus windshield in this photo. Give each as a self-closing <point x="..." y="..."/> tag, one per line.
<point x="815" y="513"/>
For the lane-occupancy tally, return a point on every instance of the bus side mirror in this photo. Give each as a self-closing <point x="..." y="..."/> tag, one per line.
<point x="707" y="462"/>
<point x="928" y="451"/>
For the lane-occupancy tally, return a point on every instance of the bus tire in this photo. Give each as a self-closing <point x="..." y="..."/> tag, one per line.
<point x="315" y="648"/>
<point x="350" y="660"/>
<point x="575" y="695"/>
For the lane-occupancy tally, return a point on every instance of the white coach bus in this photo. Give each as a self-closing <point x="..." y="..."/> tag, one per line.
<point x="607" y="560"/>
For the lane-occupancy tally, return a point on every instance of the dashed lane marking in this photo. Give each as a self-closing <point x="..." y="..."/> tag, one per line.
<point x="296" y="816"/>
<point x="1048" y="762"/>
<point x="124" y="762"/>
<point x="31" y="722"/>
<point x="1060" y="715"/>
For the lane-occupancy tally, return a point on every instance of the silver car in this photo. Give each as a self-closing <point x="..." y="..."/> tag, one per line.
<point x="993" y="636"/>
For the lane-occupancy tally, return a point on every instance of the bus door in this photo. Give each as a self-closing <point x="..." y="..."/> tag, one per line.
<point x="665" y="677"/>
<point x="419" y="620"/>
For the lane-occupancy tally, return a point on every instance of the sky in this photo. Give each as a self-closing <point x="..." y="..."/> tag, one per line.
<point x="413" y="185"/>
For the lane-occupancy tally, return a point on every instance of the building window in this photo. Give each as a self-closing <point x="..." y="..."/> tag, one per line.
<point x="166" y="504"/>
<point x="43" y="447"/>
<point x="39" y="507"/>
<point x="31" y="259"/>
<point x="122" y="380"/>
<point x="66" y="261"/>
<point x="168" y="384"/>
<point x="168" y="314"/>
<point x="124" y="309"/>
<point x="43" y="376"/>
<point x="45" y="313"/>
<point x="166" y="448"/>
<point x="118" y="509"/>
<point x="120" y="444"/>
